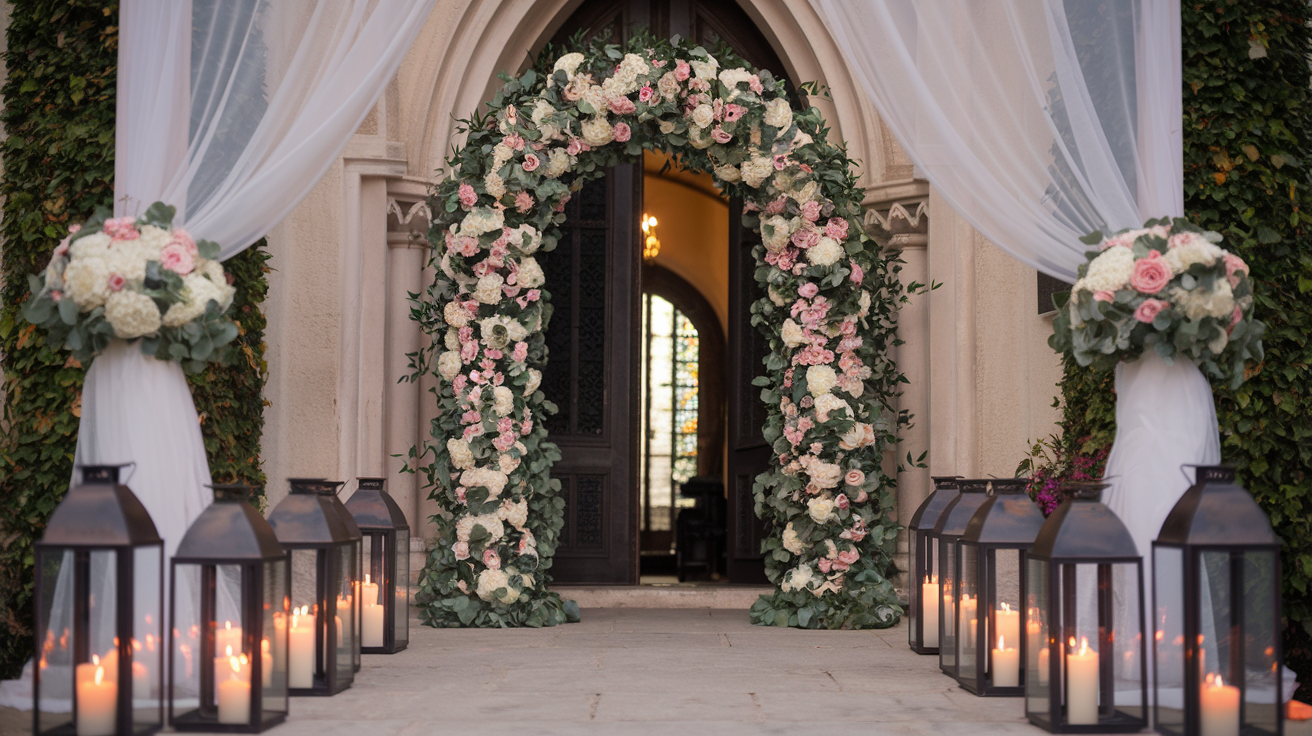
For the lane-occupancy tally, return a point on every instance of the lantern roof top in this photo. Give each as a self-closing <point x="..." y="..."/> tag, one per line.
<point x="374" y="508"/>
<point x="1083" y="528"/>
<point x="229" y="529"/>
<point x="952" y="522"/>
<point x="945" y="490"/>
<point x="100" y="512"/>
<point x="1007" y="517"/>
<point x="308" y="515"/>
<point x="1217" y="511"/>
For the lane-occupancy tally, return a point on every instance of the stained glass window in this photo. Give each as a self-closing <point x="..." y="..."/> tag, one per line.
<point x="686" y="344"/>
<point x="669" y="411"/>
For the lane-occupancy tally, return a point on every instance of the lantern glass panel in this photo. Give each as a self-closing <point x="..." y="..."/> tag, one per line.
<point x="947" y="645"/>
<point x="402" y="602"/>
<point x="1038" y="662"/>
<point x="55" y="632"/>
<point x="146" y="641"/>
<point x="1100" y="598"/>
<point x="915" y="563"/>
<point x="968" y="624"/>
<point x="1169" y="639"/>
<point x="186" y="653"/>
<point x="273" y="647"/>
<point x="348" y="564"/>
<point x="1261" y="669"/>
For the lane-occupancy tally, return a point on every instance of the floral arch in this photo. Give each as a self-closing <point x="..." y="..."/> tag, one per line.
<point x="829" y="384"/>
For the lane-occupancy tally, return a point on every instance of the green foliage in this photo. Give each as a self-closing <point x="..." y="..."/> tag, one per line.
<point x="1247" y="129"/>
<point x="58" y="159"/>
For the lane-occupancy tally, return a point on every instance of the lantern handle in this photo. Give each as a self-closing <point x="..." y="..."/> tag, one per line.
<point x="133" y="463"/>
<point x="1189" y="480"/>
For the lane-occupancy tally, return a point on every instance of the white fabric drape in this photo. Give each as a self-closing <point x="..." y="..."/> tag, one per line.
<point x="1039" y="121"/>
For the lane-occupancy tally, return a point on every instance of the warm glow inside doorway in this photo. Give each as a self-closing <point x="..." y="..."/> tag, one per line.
<point x="669" y="400"/>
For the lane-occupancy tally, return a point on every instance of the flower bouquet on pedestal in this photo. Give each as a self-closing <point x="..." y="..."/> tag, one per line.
<point x="135" y="279"/>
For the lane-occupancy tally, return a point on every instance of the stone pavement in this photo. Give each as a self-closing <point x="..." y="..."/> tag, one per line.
<point x="647" y="671"/>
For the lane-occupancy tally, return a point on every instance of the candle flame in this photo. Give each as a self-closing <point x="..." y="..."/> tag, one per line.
<point x="236" y="665"/>
<point x="95" y="659"/>
<point x="1084" y="645"/>
<point x="229" y="652"/>
<point x="1002" y="644"/>
<point x="100" y="674"/>
<point x="366" y="578"/>
<point x="1006" y="607"/>
<point x="136" y="645"/>
<point x="227" y="625"/>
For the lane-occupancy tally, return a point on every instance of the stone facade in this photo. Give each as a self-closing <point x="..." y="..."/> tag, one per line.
<point x="982" y="378"/>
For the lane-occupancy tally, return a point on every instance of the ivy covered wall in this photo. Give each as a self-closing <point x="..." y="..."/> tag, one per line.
<point x="1247" y="129"/>
<point x="58" y="167"/>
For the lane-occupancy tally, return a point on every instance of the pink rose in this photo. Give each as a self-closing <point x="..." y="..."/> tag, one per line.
<point x="861" y="498"/>
<point x="824" y="565"/>
<point x="857" y="274"/>
<point x="754" y="84"/>
<point x="61" y="250"/>
<point x="523" y="201"/>
<point x="841" y="501"/>
<point x="681" y="70"/>
<point x="1236" y="317"/>
<point x="520" y="353"/>
<point x="622" y="132"/>
<point x="492" y="559"/>
<point x="461" y="548"/>
<point x="1151" y="274"/>
<point x="175" y="258"/>
<point x="531" y="162"/>
<point x="836" y="229"/>
<point x="515" y="141"/>
<point x="526" y="427"/>
<point x="72" y="229"/>
<point x="468" y="197"/>
<point x="1234" y="265"/>
<point x="116" y="282"/>
<point x="55" y="296"/>
<point x="808" y="290"/>
<point x="733" y="112"/>
<point x="183" y="238"/>
<point x="849" y="556"/>
<point x="574" y="147"/>
<point x="811" y="211"/>
<point x="1103" y="296"/>
<point x="720" y="136"/>
<point x="646" y="94"/>
<point x="854" y="478"/>
<point x="1147" y="312"/>
<point x="622" y="106"/>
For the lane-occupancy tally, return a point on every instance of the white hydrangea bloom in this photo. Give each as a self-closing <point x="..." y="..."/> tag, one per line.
<point x="95" y="245"/>
<point x="488" y="290"/>
<point x="597" y="131"/>
<point x="448" y="365"/>
<point x="530" y="273"/>
<point x="757" y="170"/>
<point x="558" y="162"/>
<point x="728" y="173"/>
<point x="705" y="69"/>
<point x="86" y="282"/>
<point x="797" y="578"/>
<point x="778" y="113"/>
<point x="792" y="334"/>
<point x="825" y="253"/>
<point x="569" y="63"/>
<point x="495" y="185"/>
<point x="489" y="581"/>
<point x="482" y="220"/>
<point x="461" y="456"/>
<point x="821" y="509"/>
<point x="132" y="314"/>
<point x="1108" y="272"/>
<point x="455" y="314"/>
<point x="503" y="400"/>
<point x="1197" y="303"/>
<point x="826" y="404"/>
<point x="490" y="478"/>
<point x="820" y="379"/>
<point x="1198" y="250"/>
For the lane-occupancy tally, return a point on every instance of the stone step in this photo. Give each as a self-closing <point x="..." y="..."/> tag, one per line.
<point x="663" y="596"/>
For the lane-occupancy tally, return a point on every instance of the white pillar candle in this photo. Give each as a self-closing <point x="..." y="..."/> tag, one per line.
<point x="1006" y="665"/>
<point x="227" y="636"/>
<point x="234" y="692"/>
<point x="1082" y="684"/>
<point x="1219" y="708"/>
<point x="97" y="699"/>
<point x="968" y="621"/>
<point x="370" y="596"/>
<point x="929" y="611"/>
<point x="373" y="626"/>
<point x="266" y="663"/>
<point x="1008" y="624"/>
<point x="1043" y="666"/>
<point x="300" y="664"/>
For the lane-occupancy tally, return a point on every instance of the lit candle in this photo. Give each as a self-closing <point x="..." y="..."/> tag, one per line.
<point x="1082" y="684"/>
<point x="234" y="693"/>
<point x="1006" y="665"/>
<point x="223" y="664"/>
<point x="228" y="636"/>
<point x="1220" y="708"/>
<point x="929" y="605"/>
<point x="266" y="663"/>
<point x="1008" y="623"/>
<point x="1043" y="666"/>
<point x="1034" y="640"/>
<point x="97" y="699"/>
<point x="300" y="665"/>
<point x="372" y="615"/>
<point x="968" y="621"/>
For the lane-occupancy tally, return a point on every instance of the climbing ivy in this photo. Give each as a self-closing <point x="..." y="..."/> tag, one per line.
<point x="1247" y="128"/>
<point x="58" y="161"/>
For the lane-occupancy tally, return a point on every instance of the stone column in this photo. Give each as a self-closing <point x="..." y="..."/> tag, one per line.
<point x="407" y="255"/>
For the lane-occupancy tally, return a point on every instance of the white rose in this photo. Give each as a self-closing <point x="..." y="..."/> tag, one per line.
<point x="823" y="474"/>
<point x="455" y="314"/>
<point x="558" y="162"/>
<point x="489" y="581"/>
<point x="703" y="116"/>
<point x="452" y="339"/>
<point x="821" y="510"/>
<point x="541" y="110"/>
<point x="775" y="297"/>
<point x="728" y="173"/>
<point x="482" y="220"/>
<point x="534" y="380"/>
<point x="132" y="314"/>
<point x="776" y="236"/>
<point x="667" y="126"/>
<point x="778" y="114"/>
<point x="461" y="456"/>
<point x="530" y="273"/>
<point x="792" y="334"/>
<point x="526" y="238"/>
<point x="1198" y="250"/>
<point x="820" y="379"/>
<point x="448" y="365"/>
<point x="731" y="78"/>
<point x="706" y="69"/>
<point x="825" y="253"/>
<point x="1218" y="343"/>
<point x="798" y="578"/>
<point x="488" y="290"/>
<point x="829" y="403"/>
<point x="495" y="186"/>
<point x="515" y="514"/>
<point x="569" y="63"/>
<point x="806" y="192"/>
<point x="503" y="400"/>
<point x="495" y="331"/>
<point x="501" y="153"/>
<point x="860" y="435"/>
<point x="757" y="170"/>
<point x="863" y="301"/>
<point x="86" y="282"/>
<point x="668" y="86"/>
<point x="699" y="138"/>
<point x="597" y="132"/>
<point x="791" y="541"/>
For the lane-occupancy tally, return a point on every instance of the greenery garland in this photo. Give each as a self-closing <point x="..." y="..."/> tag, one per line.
<point x="829" y="318"/>
<point x="59" y="100"/>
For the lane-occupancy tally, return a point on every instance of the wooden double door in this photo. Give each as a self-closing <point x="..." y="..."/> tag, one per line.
<point x="593" y="371"/>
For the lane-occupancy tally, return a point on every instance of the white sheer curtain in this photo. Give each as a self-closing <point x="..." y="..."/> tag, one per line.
<point x="1039" y="121"/>
<point x="230" y="110"/>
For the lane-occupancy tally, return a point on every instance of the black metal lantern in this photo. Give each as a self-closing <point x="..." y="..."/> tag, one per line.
<point x="352" y="599"/>
<point x="99" y="614"/>
<point x="993" y="551"/>
<point x="385" y="593"/>
<point x="321" y="630"/>
<point x="923" y="597"/>
<point x="1216" y="603"/>
<point x="1084" y="592"/>
<point x="952" y="625"/>
<point x="230" y="585"/>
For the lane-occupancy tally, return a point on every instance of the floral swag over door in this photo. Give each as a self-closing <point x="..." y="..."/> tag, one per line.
<point x="828" y="382"/>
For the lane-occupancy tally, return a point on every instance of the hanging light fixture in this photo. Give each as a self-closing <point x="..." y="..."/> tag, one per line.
<point x="651" y="245"/>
